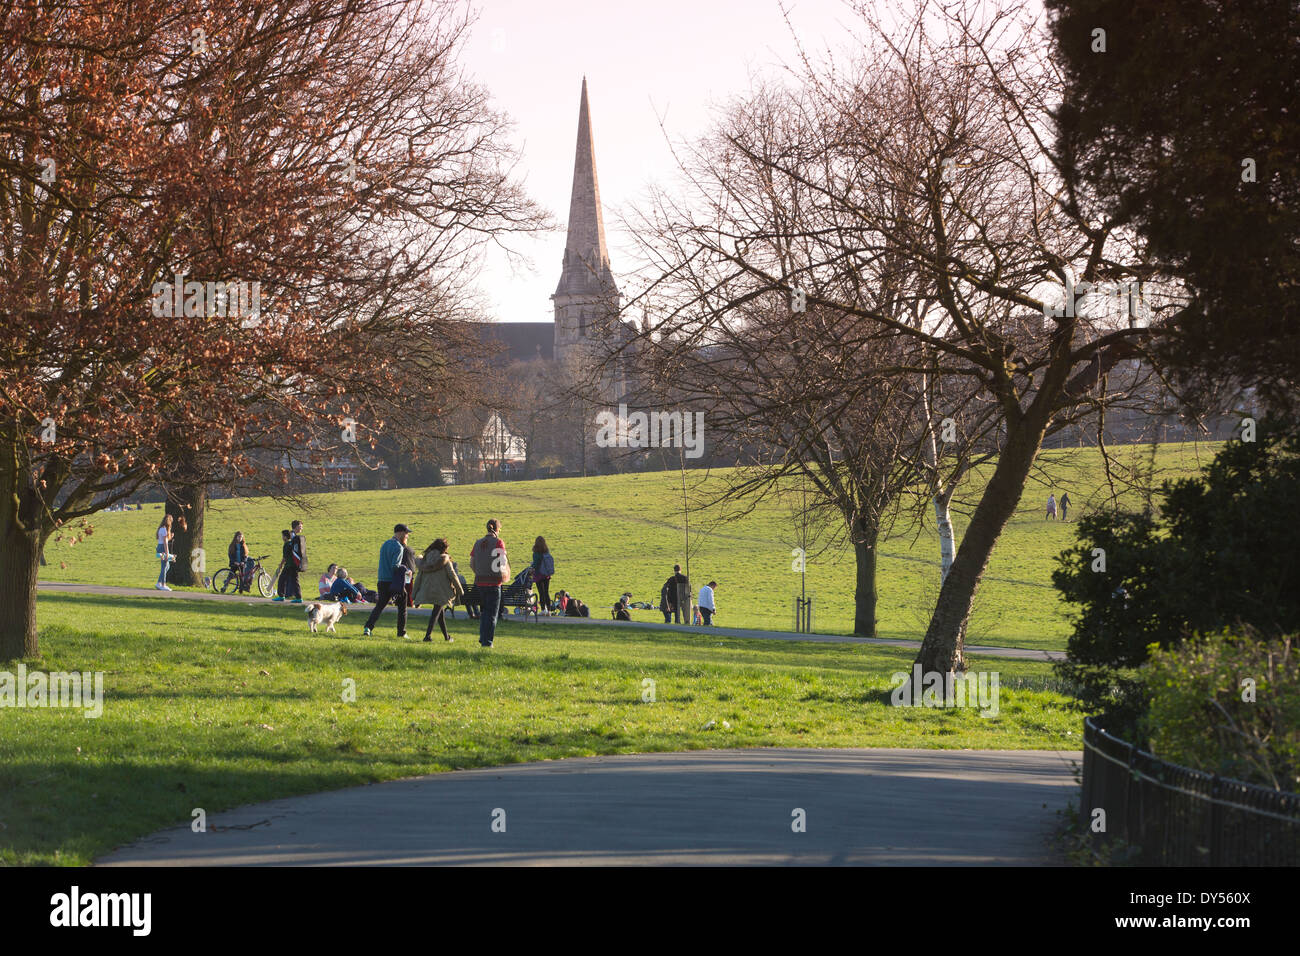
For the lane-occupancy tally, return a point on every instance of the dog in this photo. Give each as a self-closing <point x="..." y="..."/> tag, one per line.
<point x="327" y="614"/>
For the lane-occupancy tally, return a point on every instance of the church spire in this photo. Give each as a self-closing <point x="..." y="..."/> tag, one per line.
<point x="586" y="257"/>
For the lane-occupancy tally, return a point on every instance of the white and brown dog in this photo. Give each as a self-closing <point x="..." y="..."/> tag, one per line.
<point x="327" y="614"/>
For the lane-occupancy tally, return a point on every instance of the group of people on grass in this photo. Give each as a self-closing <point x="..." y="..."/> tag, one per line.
<point x="433" y="579"/>
<point x="1052" y="504"/>
<point x="675" y="600"/>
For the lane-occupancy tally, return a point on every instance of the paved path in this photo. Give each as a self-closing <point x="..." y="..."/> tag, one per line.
<point x="971" y="649"/>
<point x="712" y="807"/>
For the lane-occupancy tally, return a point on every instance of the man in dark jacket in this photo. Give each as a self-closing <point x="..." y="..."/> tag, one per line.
<point x="292" y="556"/>
<point x="392" y="568"/>
<point x="299" y="544"/>
<point x="679" y="595"/>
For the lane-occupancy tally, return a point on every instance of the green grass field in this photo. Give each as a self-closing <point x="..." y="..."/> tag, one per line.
<point x="617" y="533"/>
<point x="217" y="705"/>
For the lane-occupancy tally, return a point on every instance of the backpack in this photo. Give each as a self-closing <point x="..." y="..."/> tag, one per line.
<point x="547" y="568"/>
<point x="481" y="559"/>
<point x="299" y="553"/>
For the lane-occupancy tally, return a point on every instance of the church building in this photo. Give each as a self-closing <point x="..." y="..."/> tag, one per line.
<point x="587" y="301"/>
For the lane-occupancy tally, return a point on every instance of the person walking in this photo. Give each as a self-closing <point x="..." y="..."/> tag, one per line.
<point x="285" y="535"/>
<point x="437" y="586"/>
<point x="706" y="604"/>
<point x="665" y="606"/>
<point x="164" y="552"/>
<point x="679" y="594"/>
<point x="299" y="562"/>
<point x="1051" y="507"/>
<point x="292" y="559"/>
<point x="1065" y="505"/>
<point x="543" y="571"/>
<point x="404" y="586"/>
<point x="282" y="569"/>
<point x="491" y="566"/>
<point x="391" y="569"/>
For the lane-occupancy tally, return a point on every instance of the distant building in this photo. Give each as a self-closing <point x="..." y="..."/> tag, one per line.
<point x="320" y="468"/>
<point x="499" y="451"/>
<point x="587" y="303"/>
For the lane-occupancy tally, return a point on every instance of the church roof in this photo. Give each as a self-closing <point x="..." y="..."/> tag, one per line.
<point x="523" y="341"/>
<point x="586" y="256"/>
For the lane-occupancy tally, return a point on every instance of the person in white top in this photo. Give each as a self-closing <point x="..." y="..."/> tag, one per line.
<point x="163" y="552"/>
<point x="705" y="602"/>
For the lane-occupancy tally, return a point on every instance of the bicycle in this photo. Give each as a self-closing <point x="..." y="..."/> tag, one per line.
<point x="226" y="577"/>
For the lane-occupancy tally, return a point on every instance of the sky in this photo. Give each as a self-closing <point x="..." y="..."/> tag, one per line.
<point x="646" y="64"/>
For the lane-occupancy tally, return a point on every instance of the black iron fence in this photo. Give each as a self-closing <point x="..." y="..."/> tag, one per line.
<point x="1167" y="815"/>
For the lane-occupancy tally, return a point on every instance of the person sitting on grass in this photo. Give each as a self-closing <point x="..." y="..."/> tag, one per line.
<point x="343" y="590"/>
<point x="327" y="580"/>
<point x="621" y="611"/>
<point x="575" y="608"/>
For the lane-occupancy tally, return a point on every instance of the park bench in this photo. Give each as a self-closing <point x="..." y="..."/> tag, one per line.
<point x="518" y="593"/>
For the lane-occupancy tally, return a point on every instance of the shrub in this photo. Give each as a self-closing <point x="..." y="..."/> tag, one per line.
<point x="1201" y="715"/>
<point x="1218" y="556"/>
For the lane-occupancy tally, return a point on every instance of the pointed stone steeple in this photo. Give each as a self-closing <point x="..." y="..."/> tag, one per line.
<point x="587" y="298"/>
<point x="586" y="257"/>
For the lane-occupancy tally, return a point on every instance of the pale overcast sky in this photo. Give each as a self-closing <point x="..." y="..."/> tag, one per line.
<point x="643" y="61"/>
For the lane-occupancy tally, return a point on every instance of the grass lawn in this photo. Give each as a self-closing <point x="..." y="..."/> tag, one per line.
<point x="616" y="533"/>
<point x="219" y="705"/>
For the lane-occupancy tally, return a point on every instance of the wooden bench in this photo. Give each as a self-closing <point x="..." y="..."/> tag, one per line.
<point x="514" y="594"/>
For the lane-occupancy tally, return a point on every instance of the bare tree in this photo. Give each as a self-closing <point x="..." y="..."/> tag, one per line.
<point x="913" y="193"/>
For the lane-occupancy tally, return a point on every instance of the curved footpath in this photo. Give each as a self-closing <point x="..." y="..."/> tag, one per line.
<point x="972" y="649"/>
<point x="712" y="807"/>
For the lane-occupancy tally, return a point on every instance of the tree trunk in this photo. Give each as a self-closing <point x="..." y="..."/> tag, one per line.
<point x="191" y="559"/>
<point x="19" y="566"/>
<point x="21" y="544"/>
<point x="865" y="535"/>
<point x="941" y="651"/>
<point x="947" y="539"/>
